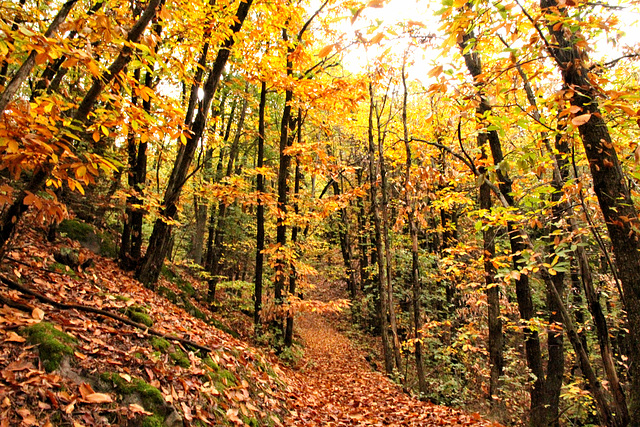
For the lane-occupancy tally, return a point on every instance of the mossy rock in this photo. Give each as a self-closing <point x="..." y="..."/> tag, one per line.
<point x="108" y="245"/>
<point x="168" y="294"/>
<point x="150" y="397"/>
<point x="53" y="345"/>
<point x="76" y="230"/>
<point x="224" y="328"/>
<point x="96" y="241"/>
<point x="154" y="420"/>
<point x="139" y="314"/>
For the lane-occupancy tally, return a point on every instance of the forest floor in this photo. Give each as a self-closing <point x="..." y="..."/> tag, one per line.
<point x="110" y="371"/>
<point x="336" y="385"/>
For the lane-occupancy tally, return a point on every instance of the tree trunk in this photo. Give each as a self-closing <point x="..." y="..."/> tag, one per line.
<point x="218" y="245"/>
<point x="380" y="255"/>
<point x="260" y="189"/>
<point x="416" y="288"/>
<point x="539" y="414"/>
<point x="159" y="242"/>
<point x="609" y="183"/>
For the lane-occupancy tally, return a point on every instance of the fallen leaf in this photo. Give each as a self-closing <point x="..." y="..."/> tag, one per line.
<point x="137" y="409"/>
<point x="37" y="314"/>
<point x="98" y="398"/>
<point x="13" y="337"/>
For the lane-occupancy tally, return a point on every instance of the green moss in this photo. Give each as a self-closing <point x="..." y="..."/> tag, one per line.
<point x="139" y="314"/>
<point x="63" y="269"/>
<point x="107" y="245"/>
<point x="150" y="396"/>
<point x="180" y="358"/>
<point x="192" y="309"/>
<point x="250" y="421"/>
<point x="75" y="230"/>
<point x="154" y="420"/>
<point x="52" y="344"/>
<point x="160" y="344"/>
<point x="218" y="324"/>
<point x="168" y="294"/>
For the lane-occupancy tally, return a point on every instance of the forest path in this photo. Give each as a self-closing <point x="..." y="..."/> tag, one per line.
<point x="337" y="386"/>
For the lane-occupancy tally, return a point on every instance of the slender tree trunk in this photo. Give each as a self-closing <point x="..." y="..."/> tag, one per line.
<point x="364" y="247"/>
<point x="218" y="245"/>
<point x="382" y="272"/>
<point x="345" y="246"/>
<point x="564" y="209"/>
<point x="260" y="189"/>
<point x="416" y="288"/>
<point x="160" y="237"/>
<point x="288" y="334"/>
<point x="539" y="414"/>
<point x="287" y="126"/>
<point x="384" y="203"/>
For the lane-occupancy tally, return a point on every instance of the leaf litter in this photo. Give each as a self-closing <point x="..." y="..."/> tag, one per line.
<point x="335" y="387"/>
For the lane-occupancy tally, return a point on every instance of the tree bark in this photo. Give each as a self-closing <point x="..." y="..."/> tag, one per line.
<point x="260" y="189"/>
<point x="159" y="242"/>
<point x="416" y="288"/>
<point x="609" y="184"/>
<point x="380" y="255"/>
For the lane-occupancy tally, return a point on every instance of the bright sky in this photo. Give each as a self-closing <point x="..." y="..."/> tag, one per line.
<point x="396" y="11"/>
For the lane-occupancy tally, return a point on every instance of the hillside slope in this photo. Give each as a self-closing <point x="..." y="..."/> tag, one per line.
<point x="94" y="347"/>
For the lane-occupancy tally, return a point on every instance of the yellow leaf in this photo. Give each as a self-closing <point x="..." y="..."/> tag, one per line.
<point x="93" y="68"/>
<point x="581" y="119"/>
<point x="104" y="130"/>
<point x="376" y="3"/>
<point x="81" y="171"/>
<point x="325" y="51"/>
<point x="183" y="139"/>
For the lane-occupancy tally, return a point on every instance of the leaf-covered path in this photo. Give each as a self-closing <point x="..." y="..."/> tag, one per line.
<point x="337" y="387"/>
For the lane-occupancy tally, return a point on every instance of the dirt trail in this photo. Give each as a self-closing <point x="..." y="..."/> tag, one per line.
<point x="337" y="387"/>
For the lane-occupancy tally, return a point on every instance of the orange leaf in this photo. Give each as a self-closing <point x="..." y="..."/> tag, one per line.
<point x="13" y="337"/>
<point x="581" y="119"/>
<point x="325" y="51"/>
<point x="377" y="38"/>
<point x="98" y="398"/>
<point x="37" y="314"/>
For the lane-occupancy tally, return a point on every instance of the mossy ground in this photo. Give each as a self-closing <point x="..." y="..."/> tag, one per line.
<point x="221" y="378"/>
<point x="52" y="344"/>
<point x="140" y="315"/>
<point x="177" y="355"/>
